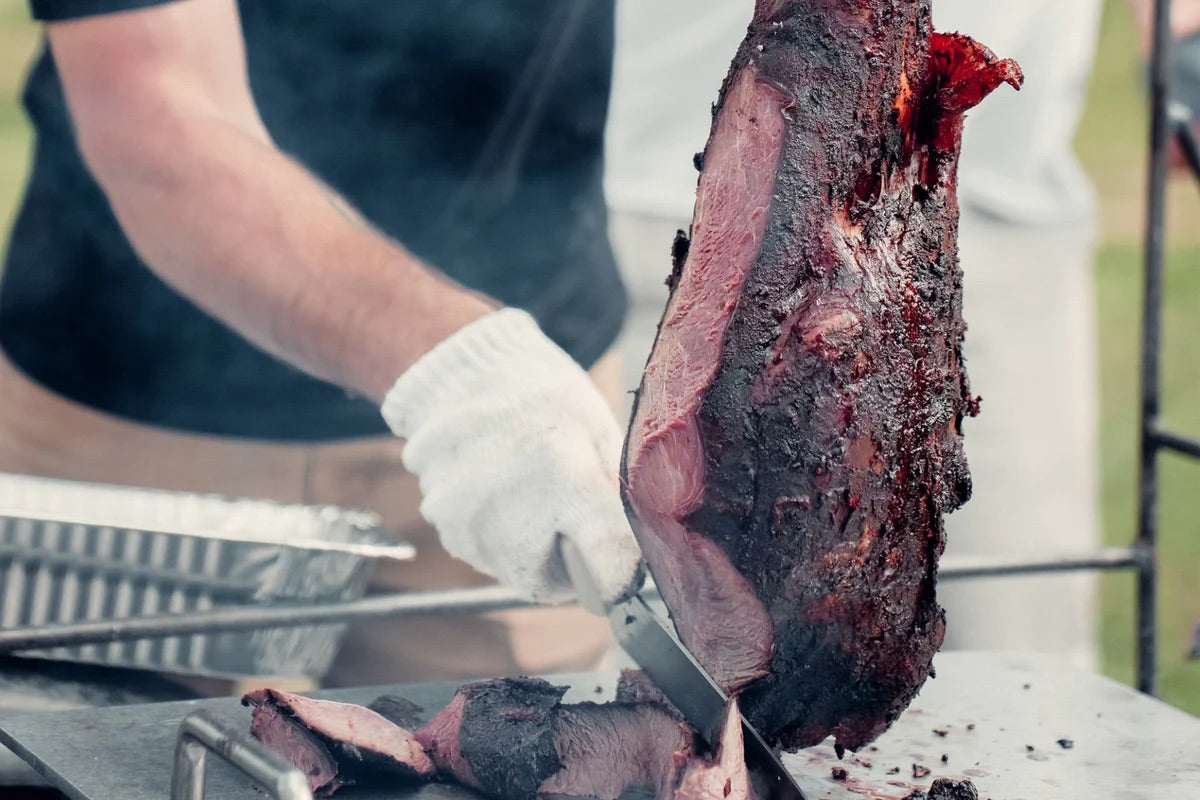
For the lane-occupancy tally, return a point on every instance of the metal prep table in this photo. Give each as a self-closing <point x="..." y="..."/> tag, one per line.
<point x="996" y="718"/>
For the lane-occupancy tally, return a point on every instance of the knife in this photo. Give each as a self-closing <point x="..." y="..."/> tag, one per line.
<point x="649" y="640"/>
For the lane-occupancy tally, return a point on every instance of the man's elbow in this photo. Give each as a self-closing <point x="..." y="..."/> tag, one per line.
<point x="124" y="146"/>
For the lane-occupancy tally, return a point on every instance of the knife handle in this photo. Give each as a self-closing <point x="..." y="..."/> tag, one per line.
<point x="582" y="579"/>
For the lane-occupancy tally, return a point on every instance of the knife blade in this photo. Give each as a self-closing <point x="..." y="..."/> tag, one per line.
<point x="650" y="642"/>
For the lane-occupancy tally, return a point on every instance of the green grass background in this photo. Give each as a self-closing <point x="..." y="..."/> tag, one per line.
<point x="1112" y="144"/>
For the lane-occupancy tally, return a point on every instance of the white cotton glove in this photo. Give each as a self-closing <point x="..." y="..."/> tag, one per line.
<point x="513" y="447"/>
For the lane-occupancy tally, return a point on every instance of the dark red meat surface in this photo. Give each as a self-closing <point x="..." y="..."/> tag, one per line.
<point x="797" y="436"/>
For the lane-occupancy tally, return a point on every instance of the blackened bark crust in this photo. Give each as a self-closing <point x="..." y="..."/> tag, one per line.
<point x="397" y="710"/>
<point x="831" y="430"/>
<point x="507" y="734"/>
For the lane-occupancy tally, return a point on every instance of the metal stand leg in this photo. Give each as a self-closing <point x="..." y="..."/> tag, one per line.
<point x="1151" y="348"/>
<point x="200" y="733"/>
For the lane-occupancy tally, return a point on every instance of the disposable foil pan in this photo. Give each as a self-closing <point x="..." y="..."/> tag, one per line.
<point x="71" y="552"/>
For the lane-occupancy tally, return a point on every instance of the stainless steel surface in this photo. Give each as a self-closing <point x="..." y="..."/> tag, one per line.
<point x="999" y="718"/>
<point x="30" y="685"/>
<point x="1124" y="745"/>
<point x="647" y="638"/>
<point x="200" y="734"/>
<point x="76" y="553"/>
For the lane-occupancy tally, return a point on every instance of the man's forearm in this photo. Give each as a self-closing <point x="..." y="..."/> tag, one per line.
<point x="254" y="239"/>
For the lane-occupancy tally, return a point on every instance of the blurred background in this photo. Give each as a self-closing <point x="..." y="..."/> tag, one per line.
<point x="1112" y="145"/>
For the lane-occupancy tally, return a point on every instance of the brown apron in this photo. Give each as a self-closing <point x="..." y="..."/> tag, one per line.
<point x="44" y="434"/>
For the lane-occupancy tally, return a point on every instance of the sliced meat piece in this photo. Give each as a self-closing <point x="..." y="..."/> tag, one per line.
<point x="725" y="775"/>
<point x="285" y="736"/>
<point x="613" y="748"/>
<point x="335" y="743"/>
<point x="513" y="738"/>
<point x="498" y="736"/>
<point x="797" y="435"/>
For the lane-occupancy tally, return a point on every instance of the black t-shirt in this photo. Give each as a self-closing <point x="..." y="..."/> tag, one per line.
<point x="469" y="130"/>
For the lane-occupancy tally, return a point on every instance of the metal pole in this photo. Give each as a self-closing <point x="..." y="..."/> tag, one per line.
<point x="971" y="567"/>
<point x="478" y="600"/>
<point x="1180" y="444"/>
<point x="1151" y="348"/>
<point x="248" y="618"/>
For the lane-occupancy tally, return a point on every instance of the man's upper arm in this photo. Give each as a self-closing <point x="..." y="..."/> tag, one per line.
<point x="134" y="76"/>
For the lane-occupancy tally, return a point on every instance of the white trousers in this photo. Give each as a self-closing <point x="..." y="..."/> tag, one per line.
<point x="1031" y="355"/>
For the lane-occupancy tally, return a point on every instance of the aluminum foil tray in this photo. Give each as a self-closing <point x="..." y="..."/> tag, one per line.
<point x="72" y="551"/>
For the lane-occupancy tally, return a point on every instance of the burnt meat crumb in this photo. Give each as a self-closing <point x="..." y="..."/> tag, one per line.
<point x="862" y="762"/>
<point x="1026" y="686"/>
<point x="916" y="794"/>
<point x="839" y="773"/>
<point x="841" y="751"/>
<point x="1066" y="744"/>
<point x="894" y="771"/>
<point x="599" y="689"/>
<point x="947" y="789"/>
<point x="941" y="732"/>
<point x="945" y="758"/>
<point x="679" y="253"/>
<point x="971" y="726"/>
<point x="1028" y="748"/>
<point x="920" y="771"/>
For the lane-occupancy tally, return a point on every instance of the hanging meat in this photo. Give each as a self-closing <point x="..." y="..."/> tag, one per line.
<point x="797" y="436"/>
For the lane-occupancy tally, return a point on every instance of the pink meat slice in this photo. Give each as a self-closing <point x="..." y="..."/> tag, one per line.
<point x="665" y="460"/>
<point x="333" y="743"/>
<point x="723" y="776"/>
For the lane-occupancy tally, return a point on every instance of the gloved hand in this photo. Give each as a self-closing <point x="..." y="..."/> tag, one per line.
<point x="514" y="446"/>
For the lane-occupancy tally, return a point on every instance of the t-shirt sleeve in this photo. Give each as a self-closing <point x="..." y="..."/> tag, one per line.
<point x="56" y="10"/>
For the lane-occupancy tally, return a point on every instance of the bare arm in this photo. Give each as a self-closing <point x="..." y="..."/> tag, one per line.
<point x="1185" y="18"/>
<point x="166" y="122"/>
